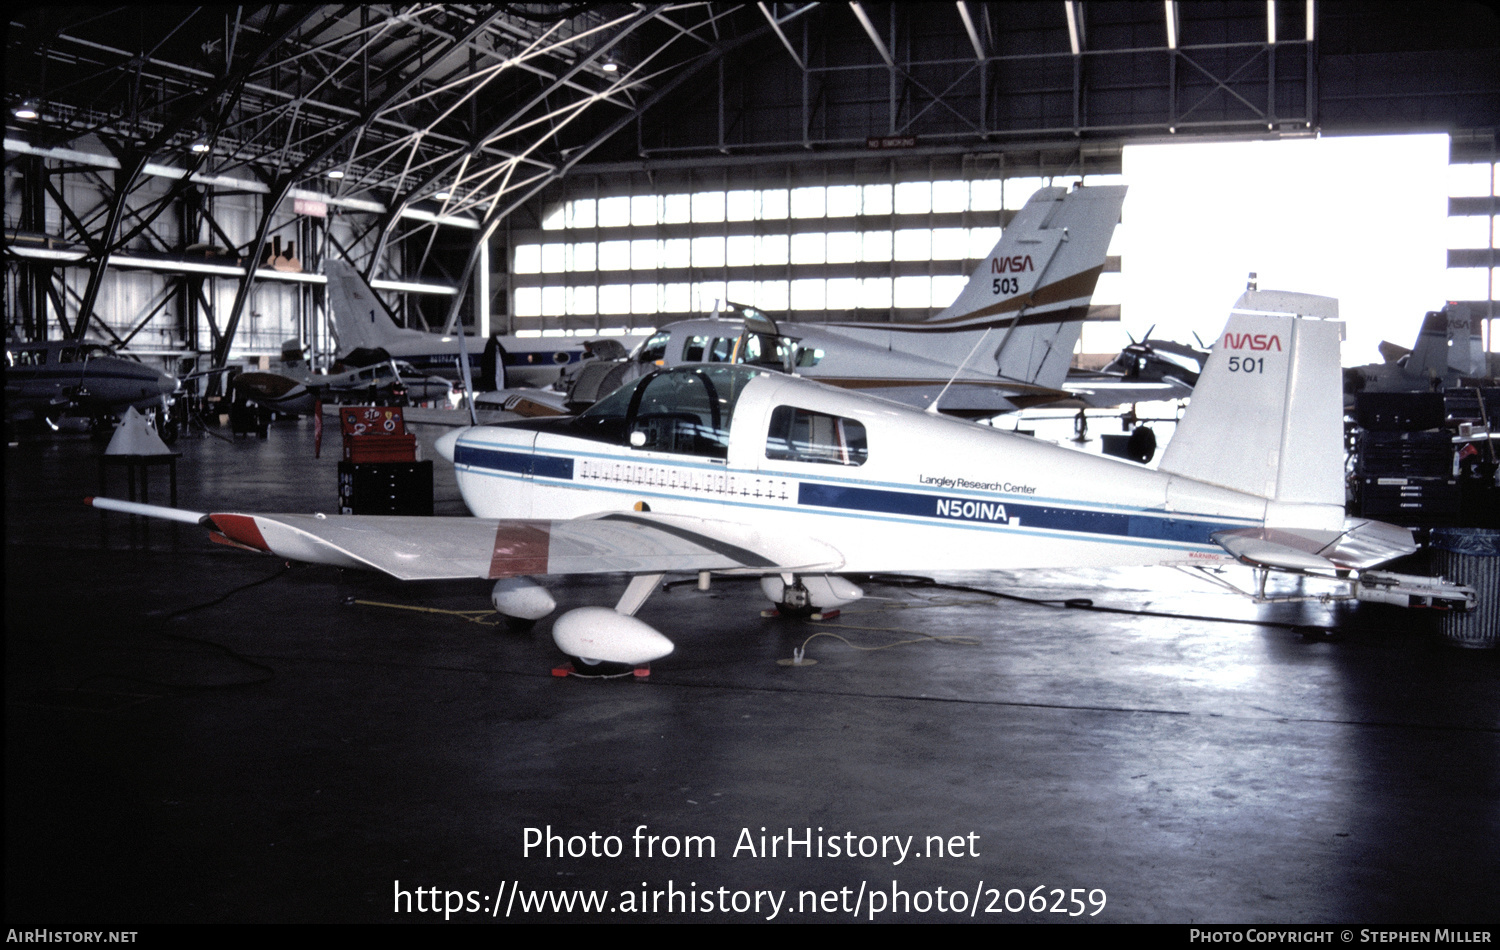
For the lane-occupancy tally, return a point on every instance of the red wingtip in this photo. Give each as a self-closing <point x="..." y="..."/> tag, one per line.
<point x="241" y="529"/>
<point x="89" y="501"/>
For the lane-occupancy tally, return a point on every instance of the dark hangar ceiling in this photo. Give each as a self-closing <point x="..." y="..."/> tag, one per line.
<point x="488" y="104"/>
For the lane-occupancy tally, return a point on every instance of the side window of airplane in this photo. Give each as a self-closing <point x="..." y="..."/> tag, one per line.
<point x="692" y="351"/>
<point x="68" y="355"/>
<point x="801" y="435"/>
<point x="721" y="350"/>
<point x="654" y="349"/>
<point x="809" y="356"/>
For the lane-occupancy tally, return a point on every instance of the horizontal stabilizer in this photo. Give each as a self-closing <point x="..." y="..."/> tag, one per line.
<point x="1360" y="545"/>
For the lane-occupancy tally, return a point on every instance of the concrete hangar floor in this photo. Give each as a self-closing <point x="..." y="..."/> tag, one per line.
<point x="199" y="734"/>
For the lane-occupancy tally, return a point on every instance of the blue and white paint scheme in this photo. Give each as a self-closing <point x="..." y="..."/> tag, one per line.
<point x="733" y="469"/>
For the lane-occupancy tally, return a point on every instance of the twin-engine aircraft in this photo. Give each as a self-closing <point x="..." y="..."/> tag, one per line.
<point x="48" y="379"/>
<point x="730" y="469"/>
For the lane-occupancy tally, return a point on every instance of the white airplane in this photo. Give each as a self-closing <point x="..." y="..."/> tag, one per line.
<point x="48" y="379"/>
<point x="362" y="321"/>
<point x="731" y="469"/>
<point x="1003" y="344"/>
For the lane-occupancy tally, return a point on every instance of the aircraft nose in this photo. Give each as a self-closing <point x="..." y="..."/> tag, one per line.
<point x="447" y="441"/>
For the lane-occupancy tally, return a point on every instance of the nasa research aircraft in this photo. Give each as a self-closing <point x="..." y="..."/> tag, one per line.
<point x="362" y="321"/>
<point x="49" y="379"/>
<point x="1004" y="343"/>
<point x="731" y="469"/>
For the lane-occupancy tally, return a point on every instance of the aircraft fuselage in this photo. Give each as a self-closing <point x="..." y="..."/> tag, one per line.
<point x="889" y="487"/>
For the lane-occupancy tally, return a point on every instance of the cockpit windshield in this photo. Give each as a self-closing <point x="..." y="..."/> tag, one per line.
<point x="686" y="410"/>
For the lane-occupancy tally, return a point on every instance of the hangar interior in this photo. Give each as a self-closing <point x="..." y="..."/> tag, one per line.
<point x="198" y="735"/>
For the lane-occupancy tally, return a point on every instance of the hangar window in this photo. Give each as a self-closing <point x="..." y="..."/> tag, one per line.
<point x="802" y="435"/>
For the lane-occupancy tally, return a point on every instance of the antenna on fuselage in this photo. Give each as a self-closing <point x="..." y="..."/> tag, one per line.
<point x="468" y="377"/>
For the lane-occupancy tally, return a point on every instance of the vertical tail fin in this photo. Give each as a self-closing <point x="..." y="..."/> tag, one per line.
<point x="1266" y="417"/>
<point x="1047" y="262"/>
<point x="1034" y="288"/>
<point x="359" y="317"/>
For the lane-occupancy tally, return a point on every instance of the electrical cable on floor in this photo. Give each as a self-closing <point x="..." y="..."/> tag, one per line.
<point x="269" y="672"/>
<point x="480" y="617"/>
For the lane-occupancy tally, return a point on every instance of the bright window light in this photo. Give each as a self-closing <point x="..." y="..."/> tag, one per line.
<point x="877" y="246"/>
<point x="912" y="292"/>
<point x="807" y="202"/>
<point x="950" y="196"/>
<point x="614" y="255"/>
<point x="946" y="289"/>
<point x="741" y="205"/>
<point x="843" y="201"/>
<point x="1360" y="218"/>
<point x="708" y="206"/>
<point x="643" y="255"/>
<point x="614" y="298"/>
<point x="614" y="212"/>
<point x="643" y="211"/>
<point x="913" y="244"/>
<point x="643" y="298"/>
<point x="950" y="244"/>
<point x="528" y="301"/>
<point x="875" y="293"/>
<point x="984" y="195"/>
<point x="843" y="247"/>
<point x="772" y="295"/>
<point x="708" y="252"/>
<point x="775" y="205"/>
<point x="913" y="197"/>
<point x="878" y="199"/>
<point x="1018" y="191"/>
<point x="583" y="300"/>
<point x="807" y="249"/>
<point x="528" y="259"/>
<point x="581" y="257"/>
<point x="808" y="294"/>
<point x="1471" y="180"/>
<point x="772" y="249"/>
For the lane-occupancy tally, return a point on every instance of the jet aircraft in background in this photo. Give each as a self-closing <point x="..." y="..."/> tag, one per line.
<point x="362" y="321"/>
<point x="734" y="469"/>
<point x="1449" y="348"/>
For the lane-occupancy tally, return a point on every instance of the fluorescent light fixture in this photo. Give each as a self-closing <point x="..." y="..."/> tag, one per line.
<point x="27" y="109"/>
<point x="609" y="65"/>
<point x="335" y="173"/>
<point x="1171" y="7"/>
<point x="443" y="195"/>
<point x="1312" y="18"/>
<point x="199" y="146"/>
<point x="1271" y="22"/>
<point x="1072" y="27"/>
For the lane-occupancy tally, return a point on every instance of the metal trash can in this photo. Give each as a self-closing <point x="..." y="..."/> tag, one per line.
<point x="1470" y="556"/>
